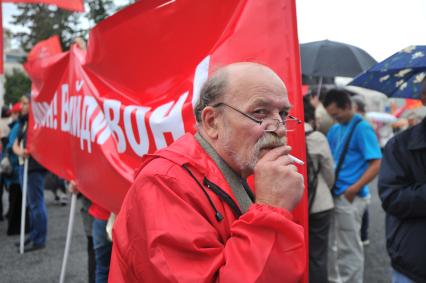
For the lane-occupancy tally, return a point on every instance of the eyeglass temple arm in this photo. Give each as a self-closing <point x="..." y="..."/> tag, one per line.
<point x="294" y="118"/>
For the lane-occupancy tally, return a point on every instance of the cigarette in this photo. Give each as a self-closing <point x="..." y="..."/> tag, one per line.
<point x="296" y="160"/>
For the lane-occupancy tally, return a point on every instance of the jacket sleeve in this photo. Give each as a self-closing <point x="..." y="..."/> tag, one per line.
<point x="13" y="135"/>
<point x="162" y="235"/>
<point x="402" y="196"/>
<point x="326" y="161"/>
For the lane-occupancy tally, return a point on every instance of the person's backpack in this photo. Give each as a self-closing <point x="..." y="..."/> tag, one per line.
<point x="312" y="174"/>
<point x="6" y="169"/>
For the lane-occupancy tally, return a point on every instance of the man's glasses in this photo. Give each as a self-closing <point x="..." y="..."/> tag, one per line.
<point x="268" y="124"/>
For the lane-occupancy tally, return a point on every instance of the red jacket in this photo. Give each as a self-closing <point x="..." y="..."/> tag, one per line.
<point x="99" y="212"/>
<point x="168" y="230"/>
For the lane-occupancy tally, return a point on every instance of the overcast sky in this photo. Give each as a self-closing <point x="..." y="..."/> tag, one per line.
<point x="381" y="27"/>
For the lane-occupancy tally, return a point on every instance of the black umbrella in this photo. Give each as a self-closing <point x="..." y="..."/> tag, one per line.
<point x="327" y="58"/>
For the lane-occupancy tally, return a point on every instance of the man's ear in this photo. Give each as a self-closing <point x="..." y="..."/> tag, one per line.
<point x="209" y="122"/>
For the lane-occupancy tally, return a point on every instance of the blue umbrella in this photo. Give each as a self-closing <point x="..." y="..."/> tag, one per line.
<point x="397" y="76"/>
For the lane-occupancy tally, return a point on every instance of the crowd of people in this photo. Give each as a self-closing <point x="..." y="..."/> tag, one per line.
<point x="191" y="216"/>
<point x="180" y="185"/>
<point x="13" y="132"/>
<point x="356" y="153"/>
<point x="336" y="254"/>
<point x="13" y="129"/>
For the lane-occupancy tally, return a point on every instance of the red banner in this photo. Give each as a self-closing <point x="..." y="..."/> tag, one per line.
<point x="1" y="39"/>
<point x="72" y="5"/>
<point x="96" y="114"/>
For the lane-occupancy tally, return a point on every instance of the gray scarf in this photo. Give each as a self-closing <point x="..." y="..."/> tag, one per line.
<point x="231" y="177"/>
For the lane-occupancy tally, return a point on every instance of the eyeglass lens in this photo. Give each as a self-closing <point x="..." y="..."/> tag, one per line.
<point x="273" y="124"/>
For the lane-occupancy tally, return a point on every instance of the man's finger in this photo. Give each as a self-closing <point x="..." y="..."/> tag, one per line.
<point x="283" y="160"/>
<point x="277" y="152"/>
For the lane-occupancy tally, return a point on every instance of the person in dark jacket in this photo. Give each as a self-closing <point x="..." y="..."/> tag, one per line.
<point x="4" y="134"/>
<point x="36" y="174"/>
<point x="11" y="181"/>
<point x="402" y="188"/>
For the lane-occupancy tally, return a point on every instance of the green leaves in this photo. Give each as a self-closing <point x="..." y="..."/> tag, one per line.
<point x="17" y="84"/>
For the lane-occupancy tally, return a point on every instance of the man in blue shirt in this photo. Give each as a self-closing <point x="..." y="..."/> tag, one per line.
<point x="360" y="165"/>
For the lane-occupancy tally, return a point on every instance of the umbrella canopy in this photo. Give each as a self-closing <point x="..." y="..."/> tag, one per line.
<point x="381" y="117"/>
<point x="397" y="76"/>
<point x="331" y="59"/>
<point x="374" y="101"/>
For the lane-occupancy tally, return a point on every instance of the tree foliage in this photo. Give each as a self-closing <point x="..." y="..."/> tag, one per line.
<point x="16" y="85"/>
<point x="99" y="10"/>
<point x="45" y="21"/>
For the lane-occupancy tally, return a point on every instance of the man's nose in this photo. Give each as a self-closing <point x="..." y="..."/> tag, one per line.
<point x="282" y="130"/>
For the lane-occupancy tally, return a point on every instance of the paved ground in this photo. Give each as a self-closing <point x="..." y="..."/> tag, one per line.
<point x="377" y="265"/>
<point x="44" y="266"/>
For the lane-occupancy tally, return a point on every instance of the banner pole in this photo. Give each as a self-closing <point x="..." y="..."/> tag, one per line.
<point x="319" y="86"/>
<point x="24" y="206"/>
<point x="68" y="239"/>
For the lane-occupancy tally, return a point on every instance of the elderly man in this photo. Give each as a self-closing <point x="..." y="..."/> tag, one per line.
<point x="190" y="216"/>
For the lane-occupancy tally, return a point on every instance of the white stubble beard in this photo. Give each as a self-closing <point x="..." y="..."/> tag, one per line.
<point x="248" y="163"/>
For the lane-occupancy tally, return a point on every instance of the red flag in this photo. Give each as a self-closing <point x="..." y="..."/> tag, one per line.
<point x="72" y="5"/>
<point x="45" y="48"/>
<point x="95" y="115"/>
<point x="39" y="59"/>
<point x="413" y="103"/>
<point x="1" y="38"/>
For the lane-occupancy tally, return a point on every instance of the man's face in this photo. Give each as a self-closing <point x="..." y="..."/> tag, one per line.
<point x="341" y="115"/>
<point x="242" y="141"/>
<point x="423" y="94"/>
<point x="25" y="103"/>
<point x="14" y="116"/>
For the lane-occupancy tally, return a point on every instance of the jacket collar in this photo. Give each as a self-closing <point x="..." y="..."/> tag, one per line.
<point x="187" y="150"/>
<point x="418" y="136"/>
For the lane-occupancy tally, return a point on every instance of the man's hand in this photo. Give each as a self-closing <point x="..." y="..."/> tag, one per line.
<point x="25" y="153"/>
<point x="367" y="177"/>
<point x="22" y="152"/>
<point x="72" y="188"/>
<point x="277" y="181"/>
<point x="350" y="193"/>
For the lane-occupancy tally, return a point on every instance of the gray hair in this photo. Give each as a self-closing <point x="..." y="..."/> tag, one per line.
<point x="360" y="102"/>
<point x="212" y="90"/>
